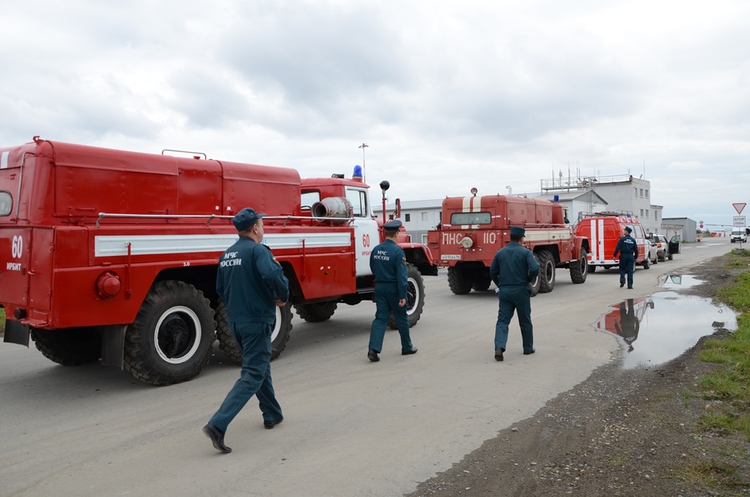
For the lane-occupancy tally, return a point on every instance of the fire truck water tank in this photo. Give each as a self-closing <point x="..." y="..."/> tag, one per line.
<point x="332" y="207"/>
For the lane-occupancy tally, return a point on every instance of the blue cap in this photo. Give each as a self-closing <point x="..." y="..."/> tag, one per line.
<point x="392" y="225"/>
<point x="628" y="229"/>
<point x="517" y="230"/>
<point x="246" y="218"/>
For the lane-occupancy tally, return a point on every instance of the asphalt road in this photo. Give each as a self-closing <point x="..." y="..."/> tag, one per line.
<point x="351" y="427"/>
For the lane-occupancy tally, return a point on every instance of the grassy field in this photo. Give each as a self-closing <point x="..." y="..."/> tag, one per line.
<point x="727" y="387"/>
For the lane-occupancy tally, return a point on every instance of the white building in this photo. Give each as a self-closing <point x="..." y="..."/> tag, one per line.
<point x="623" y="194"/>
<point x="418" y="216"/>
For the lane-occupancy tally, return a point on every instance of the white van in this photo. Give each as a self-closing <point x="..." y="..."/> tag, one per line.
<point x="739" y="235"/>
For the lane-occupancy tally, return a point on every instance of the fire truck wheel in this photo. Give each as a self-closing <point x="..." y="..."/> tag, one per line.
<point x="482" y="281"/>
<point x="459" y="280"/>
<point x="646" y="263"/>
<point x="546" y="271"/>
<point x="414" y="298"/>
<point x="227" y="343"/>
<point x="69" y="347"/>
<point x="279" y="337"/>
<point x="579" y="268"/>
<point x="173" y="334"/>
<point x="317" y="312"/>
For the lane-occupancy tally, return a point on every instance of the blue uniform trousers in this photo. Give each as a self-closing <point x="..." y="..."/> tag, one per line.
<point x="627" y="265"/>
<point x="386" y="301"/>
<point x="514" y="298"/>
<point x="254" y="340"/>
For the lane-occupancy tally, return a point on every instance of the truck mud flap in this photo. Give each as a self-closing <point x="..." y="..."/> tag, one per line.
<point x="16" y="332"/>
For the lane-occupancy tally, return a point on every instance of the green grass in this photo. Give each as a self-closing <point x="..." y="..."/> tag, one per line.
<point x="727" y="388"/>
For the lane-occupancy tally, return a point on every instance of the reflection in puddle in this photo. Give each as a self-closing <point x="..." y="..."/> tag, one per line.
<point x="678" y="281"/>
<point x="659" y="328"/>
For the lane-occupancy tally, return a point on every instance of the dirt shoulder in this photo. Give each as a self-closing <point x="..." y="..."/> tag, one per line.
<point x="621" y="432"/>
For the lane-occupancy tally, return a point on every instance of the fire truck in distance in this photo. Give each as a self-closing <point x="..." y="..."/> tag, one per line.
<point x="474" y="228"/>
<point x="604" y="230"/>
<point x="112" y="255"/>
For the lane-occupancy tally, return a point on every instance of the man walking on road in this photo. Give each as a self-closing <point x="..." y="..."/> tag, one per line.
<point x="251" y="283"/>
<point x="388" y="265"/>
<point x="512" y="269"/>
<point x="627" y="248"/>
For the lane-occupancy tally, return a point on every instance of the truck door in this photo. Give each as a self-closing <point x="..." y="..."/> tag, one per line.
<point x="366" y="233"/>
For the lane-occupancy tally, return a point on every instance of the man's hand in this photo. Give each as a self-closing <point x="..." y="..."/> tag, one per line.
<point x="402" y="302"/>
<point x="279" y="302"/>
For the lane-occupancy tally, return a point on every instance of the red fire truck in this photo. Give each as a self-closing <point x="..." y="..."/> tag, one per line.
<point x="604" y="231"/>
<point x="112" y="254"/>
<point x="474" y="228"/>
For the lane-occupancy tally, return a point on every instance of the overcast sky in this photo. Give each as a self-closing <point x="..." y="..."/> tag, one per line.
<point x="448" y="95"/>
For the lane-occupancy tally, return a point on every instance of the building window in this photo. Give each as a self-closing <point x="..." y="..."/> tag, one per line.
<point x="636" y="192"/>
<point x="641" y="212"/>
<point x="407" y="217"/>
<point x="656" y="215"/>
<point x="424" y="239"/>
<point x="646" y="193"/>
<point x="424" y="216"/>
<point x="646" y="213"/>
<point x="641" y="192"/>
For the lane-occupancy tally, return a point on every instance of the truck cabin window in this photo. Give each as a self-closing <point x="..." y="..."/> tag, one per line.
<point x="358" y="199"/>
<point x="460" y="218"/>
<point x="6" y="203"/>
<point x="309" y="198"/>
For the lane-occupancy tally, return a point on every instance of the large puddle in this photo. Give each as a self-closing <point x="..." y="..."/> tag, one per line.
<point x="656" y="329"/>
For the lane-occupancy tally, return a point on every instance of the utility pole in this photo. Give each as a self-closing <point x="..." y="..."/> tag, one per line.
<point x="364" y="174"/>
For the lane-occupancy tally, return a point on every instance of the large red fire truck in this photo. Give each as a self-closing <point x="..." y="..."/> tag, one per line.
<point x="112" y="254"/>
<point x="474" y="228"/>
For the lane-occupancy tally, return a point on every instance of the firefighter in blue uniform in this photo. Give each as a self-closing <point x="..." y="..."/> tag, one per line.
<point x="627" y="249"/>
<point x="388" y="265"/>
<point x="513" y="267"/>
<point x="251" y="283"/>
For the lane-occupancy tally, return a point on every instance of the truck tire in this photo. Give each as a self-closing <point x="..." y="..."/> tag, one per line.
<point x="482" y="280"/>
<point x="414" y="298"/>
<point x="227" y="343"/>
<point x="536" y="282"/>
<point x="546" y="271"/>
<point x="646" y="263"/>
<point x="69" y="347"/>
<point x="172" y="336"/>
<point x="317" y="312"/>
<point x="669" y="256"/>
<point x="279" y="337"/>
<point x="579" y="269"/>
<point x="459" y="280"/>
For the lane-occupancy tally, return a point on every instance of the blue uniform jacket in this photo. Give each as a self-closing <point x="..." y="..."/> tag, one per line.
<point x="388" y="265"/>
<point x="513" y="265"/>
<point x="248" y="281"/>
<point x="627" y="248"/>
